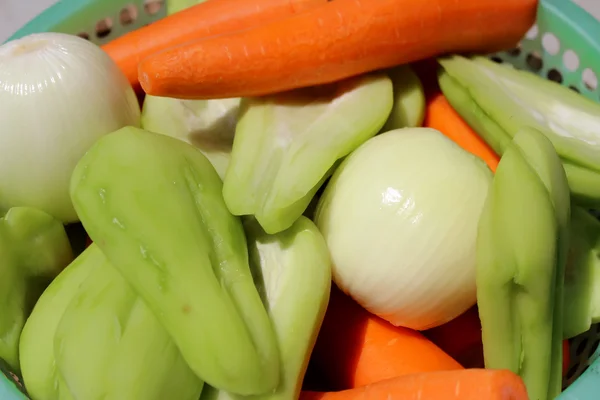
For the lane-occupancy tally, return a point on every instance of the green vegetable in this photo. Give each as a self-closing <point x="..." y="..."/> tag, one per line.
<point x="286" y="145"/>
<point x="209" y="125"/>
<point x="37" y="340"/>
<point x="109" y="344"/>
<point x="34" y="248"/>
<point x="293" y="274"/>
<point x="498" y="100"/>
<point x="521" y="254"/>
<point x="409" y="100"/>
<point x="582" y="276"/>
<point x="154" y="206"/>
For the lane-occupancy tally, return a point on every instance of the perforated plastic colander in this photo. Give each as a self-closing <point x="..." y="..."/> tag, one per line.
<point x="563" y="46"/>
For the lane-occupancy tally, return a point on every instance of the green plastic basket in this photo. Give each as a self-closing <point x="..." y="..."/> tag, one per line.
<point x="563" y="46"/>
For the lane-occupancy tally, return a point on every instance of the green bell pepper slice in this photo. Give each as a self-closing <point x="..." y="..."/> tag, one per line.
<point x="154" y="205"/>
<point x="34" y="248"/>
<point x="497" y="101"/>
<point x="292" y="271"/>
<point x="286" y="145"/>
<point x="522" y="247"/>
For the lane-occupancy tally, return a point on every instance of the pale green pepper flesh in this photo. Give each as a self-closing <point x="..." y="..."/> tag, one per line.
<point x="409" y="99"/>
<point x="109" y="344"/>
<point x="582" y="275"/>
<point x="286" y="145"/>
<point x="34" y="248"/>
<point x="497" y="101"/>
<point x="521" y="253"/>
<point x="153" y="204"/>
<point x="293" y="273"/>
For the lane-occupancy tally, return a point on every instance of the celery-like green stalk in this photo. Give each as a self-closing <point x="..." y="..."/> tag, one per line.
<point x="497" y="101"/>
<point x="34" y="248"/>
<point x="154" y="205"/>
<point x="521" y="253"/>
<point x="293" y="274"/>
<point x="286" y="145"/>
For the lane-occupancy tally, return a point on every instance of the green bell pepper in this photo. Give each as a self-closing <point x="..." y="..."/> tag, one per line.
<point x="34" y="248"/>
<point x="286" y="145"/>
<point x="522" y="247"/>
<point x="154" y="205"/>
<point x="292" y="271"/>
<point x="582" y="275"/>
<point x="36" y="346"/>
<point x="498" y="100"/>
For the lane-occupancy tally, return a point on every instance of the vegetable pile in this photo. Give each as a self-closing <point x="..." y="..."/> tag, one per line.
<point x="299" y="209"/>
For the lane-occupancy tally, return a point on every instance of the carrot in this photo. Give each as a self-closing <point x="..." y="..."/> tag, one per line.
<point x="566" y="358"/>
<point x="467" y="384"/>
<point x="213" y="17"/>
<point x="356" y="348"/>
<point x="440" y="115"/>
<point x="340" y="39"/>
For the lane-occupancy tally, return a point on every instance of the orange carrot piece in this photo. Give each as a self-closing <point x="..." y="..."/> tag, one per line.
<point x="213" y="17"/>
<point x="356" y="348"/>
<point x="467" y="384"/>
<point x="338" y="40"/>
<point x="440" y="115"/>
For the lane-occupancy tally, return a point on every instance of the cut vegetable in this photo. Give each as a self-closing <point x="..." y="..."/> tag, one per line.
<point x="293" y="274"/>
<point x="521" y="99"/>
<point x="153" y="204"/>
<point x="34" y="248"/>
<point x="286" y="145"/>
<point x="409" y="100"/>
<point x="400" y="219"/>
<point x="109" y="344"/>
<point x="356" y="348"/>
<point x="59" y="94"/>
<point x="331" y="42"/>
<point x="521" y="253"/>
<point x="469" y="384"/>
<point x="210" y="18"/>
<point x="38" y="363"/>
<point x="582" y="276"/>
<point x="208" y="125"/>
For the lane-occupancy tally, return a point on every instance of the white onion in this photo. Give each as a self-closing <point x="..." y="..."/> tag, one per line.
<point x="400" y="218"/>
<point x="58" y="94"/>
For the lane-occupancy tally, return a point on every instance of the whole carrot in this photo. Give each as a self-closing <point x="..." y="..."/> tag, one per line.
<point x="356" y="348"/>
<point x="337" y="40"/>
<point x="440" y="115"/>
<point x="467" y="384"/>
<point x="213" y="17"/>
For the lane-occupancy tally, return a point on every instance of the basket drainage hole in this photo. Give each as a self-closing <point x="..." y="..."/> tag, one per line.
<point x="555" y="75"/>
<point x="84" y="35"/>
<point x="496" y="59"/>
<point x="571" y="60"/>
<point x="128" y="14"/>
<point x="573" y="88"/>
<point x="571" y="372"/>
<point x="589" y="79"/>
<point x="593" y="348"/>
<point x="153" y="6"/>
<point x="514" y="52"/>
<point x="534" y="61"/>
<point x="532" y="33"/>
<point x="550" y="43"/>
<point x="103" y="28"/>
